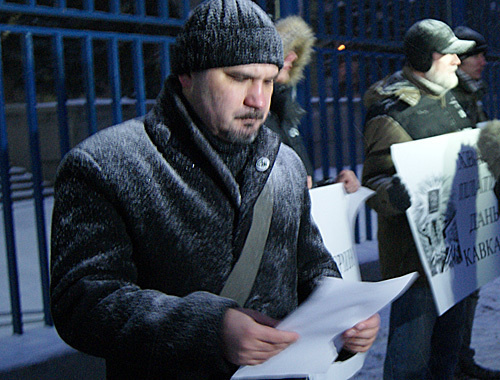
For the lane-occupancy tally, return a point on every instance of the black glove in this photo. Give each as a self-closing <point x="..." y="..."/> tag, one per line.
<point x="398" y="195"/>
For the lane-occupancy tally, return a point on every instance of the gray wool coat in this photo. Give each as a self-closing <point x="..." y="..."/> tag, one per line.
<point x="148" y="222"/>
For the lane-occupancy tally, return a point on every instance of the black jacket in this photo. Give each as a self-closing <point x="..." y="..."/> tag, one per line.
<point x="469" y="94"/>
<point x="284" y="119"/>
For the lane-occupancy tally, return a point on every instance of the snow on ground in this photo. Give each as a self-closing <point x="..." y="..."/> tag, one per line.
<point x="485" y="335"/>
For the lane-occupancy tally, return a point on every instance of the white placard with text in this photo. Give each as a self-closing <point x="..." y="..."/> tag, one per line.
<point x="453" y="215"/>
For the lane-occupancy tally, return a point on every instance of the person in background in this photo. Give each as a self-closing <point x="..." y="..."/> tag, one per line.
<point x="469" y="93"/>
<point x="471" y="87"/>
<point x="413" y="104"/>
<point x="489" y="150"/>
<point x="151" y="216"/>
<point x="286" y="113"/>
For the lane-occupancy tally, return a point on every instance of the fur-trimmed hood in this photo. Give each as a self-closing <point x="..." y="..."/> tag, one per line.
<point x="489" y="146"/>
<point x="299" y="37"/>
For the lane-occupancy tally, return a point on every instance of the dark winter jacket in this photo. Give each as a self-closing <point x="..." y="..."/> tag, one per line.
<point x="147" y="224"/>
<point x="469" y="94"/>
<point x="400" y="109"/>
<point x="284" y="119"/>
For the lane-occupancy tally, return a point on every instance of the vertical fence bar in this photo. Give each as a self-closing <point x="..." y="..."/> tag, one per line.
<point x="140" y="8"/>
<point x="164" y="59"/>
<point x="288" y="8"/>
<point x="114" y="79"/>
<point x="350" y="114"/>
<point x="306" y="128"/>
<point x="350" y="127"/>
<point x="114" y="6"/>
<point x="348" y="20"/>
<point x="397" y="21"/>
<point x="337" y="110"/>
<point x="29" y="73"/>
<point x="407" y="18"/>
<point x="8" y="219"/>
<point x="335" y="20"/>
<point x="495" y="104"/>
<point x="492" y="101"/>
<point x="325" y="161"/>
<point x="361" y="20"/>
<point x="363" y="85"/>
<point x="385" y="24"/>
<point x="495" y="101"/>
<point x="88" y="5"/>
<point x="59" y="74"/>
<point x="138" y="62"/>
<point x="88" y="75"/>
<point x="61" y="4"/>
<point x="185" y="9"/>
<point x="321" y="17"/>
<point x="373" y="19"/>
<point x="488" y="77"/>
<point x="163" y="9"/>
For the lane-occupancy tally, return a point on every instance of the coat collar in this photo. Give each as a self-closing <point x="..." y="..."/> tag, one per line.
<point x="172" y="118"/>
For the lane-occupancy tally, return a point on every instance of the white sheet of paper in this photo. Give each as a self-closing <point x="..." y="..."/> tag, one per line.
<point x="355" y="201"/>
<point x="335" y="306"/>
<point x="335" y="212"/>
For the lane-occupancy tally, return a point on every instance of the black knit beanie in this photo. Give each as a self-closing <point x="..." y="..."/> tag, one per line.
<point x="428" y="36"/>
<point x="222" y="33"/>
<point x="466" y="33"/>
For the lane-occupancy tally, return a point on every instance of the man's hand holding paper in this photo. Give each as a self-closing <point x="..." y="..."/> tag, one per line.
<point x="361" y="337"/>
<point x="325" y="323"/>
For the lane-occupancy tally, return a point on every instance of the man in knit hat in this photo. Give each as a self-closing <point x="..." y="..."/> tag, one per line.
<point x="286" y="113"/>
<point x="412" y="104"/>
<point x="150" y="267"/>
<point x="470" y="91"/>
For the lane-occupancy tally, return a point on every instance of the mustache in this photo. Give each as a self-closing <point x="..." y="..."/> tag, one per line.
<point x="257" y="115"/>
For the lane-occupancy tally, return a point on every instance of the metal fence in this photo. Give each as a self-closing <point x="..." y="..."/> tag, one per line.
<point x="37" y="52"/>
<point x="359" y="42"/>
<point x="71" y="67"/>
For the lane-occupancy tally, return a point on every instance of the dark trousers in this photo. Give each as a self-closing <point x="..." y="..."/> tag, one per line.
<point x="422" y="345"/>
<point x="466" y="353"/>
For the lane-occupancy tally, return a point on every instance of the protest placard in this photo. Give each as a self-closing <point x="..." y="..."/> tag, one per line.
<point x="454" y="213"/>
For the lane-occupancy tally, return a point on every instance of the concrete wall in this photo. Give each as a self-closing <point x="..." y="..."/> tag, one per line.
<point x="48" y="130"/>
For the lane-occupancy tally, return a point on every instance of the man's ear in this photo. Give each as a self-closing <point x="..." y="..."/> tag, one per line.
<point x="186" y="81"/>
<point x="436" y="56"/>
<point x="288" y="61"/>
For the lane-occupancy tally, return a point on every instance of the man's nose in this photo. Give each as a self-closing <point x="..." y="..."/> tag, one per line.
<point x="256" y="96"/>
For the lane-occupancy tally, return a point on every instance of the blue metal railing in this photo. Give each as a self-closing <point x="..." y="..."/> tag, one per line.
<point x="372" y="40"/>
<point x="60" y="39"/>
<point x="29" y="65"/>
<point x="88" y="12"/>
<point x="15" y="299"/>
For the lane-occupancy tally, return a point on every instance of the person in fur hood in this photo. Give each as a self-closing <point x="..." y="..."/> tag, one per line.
<point x="489" y="150"/>
<point x="286" y="113"/>
<point x="151" y="218"/>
